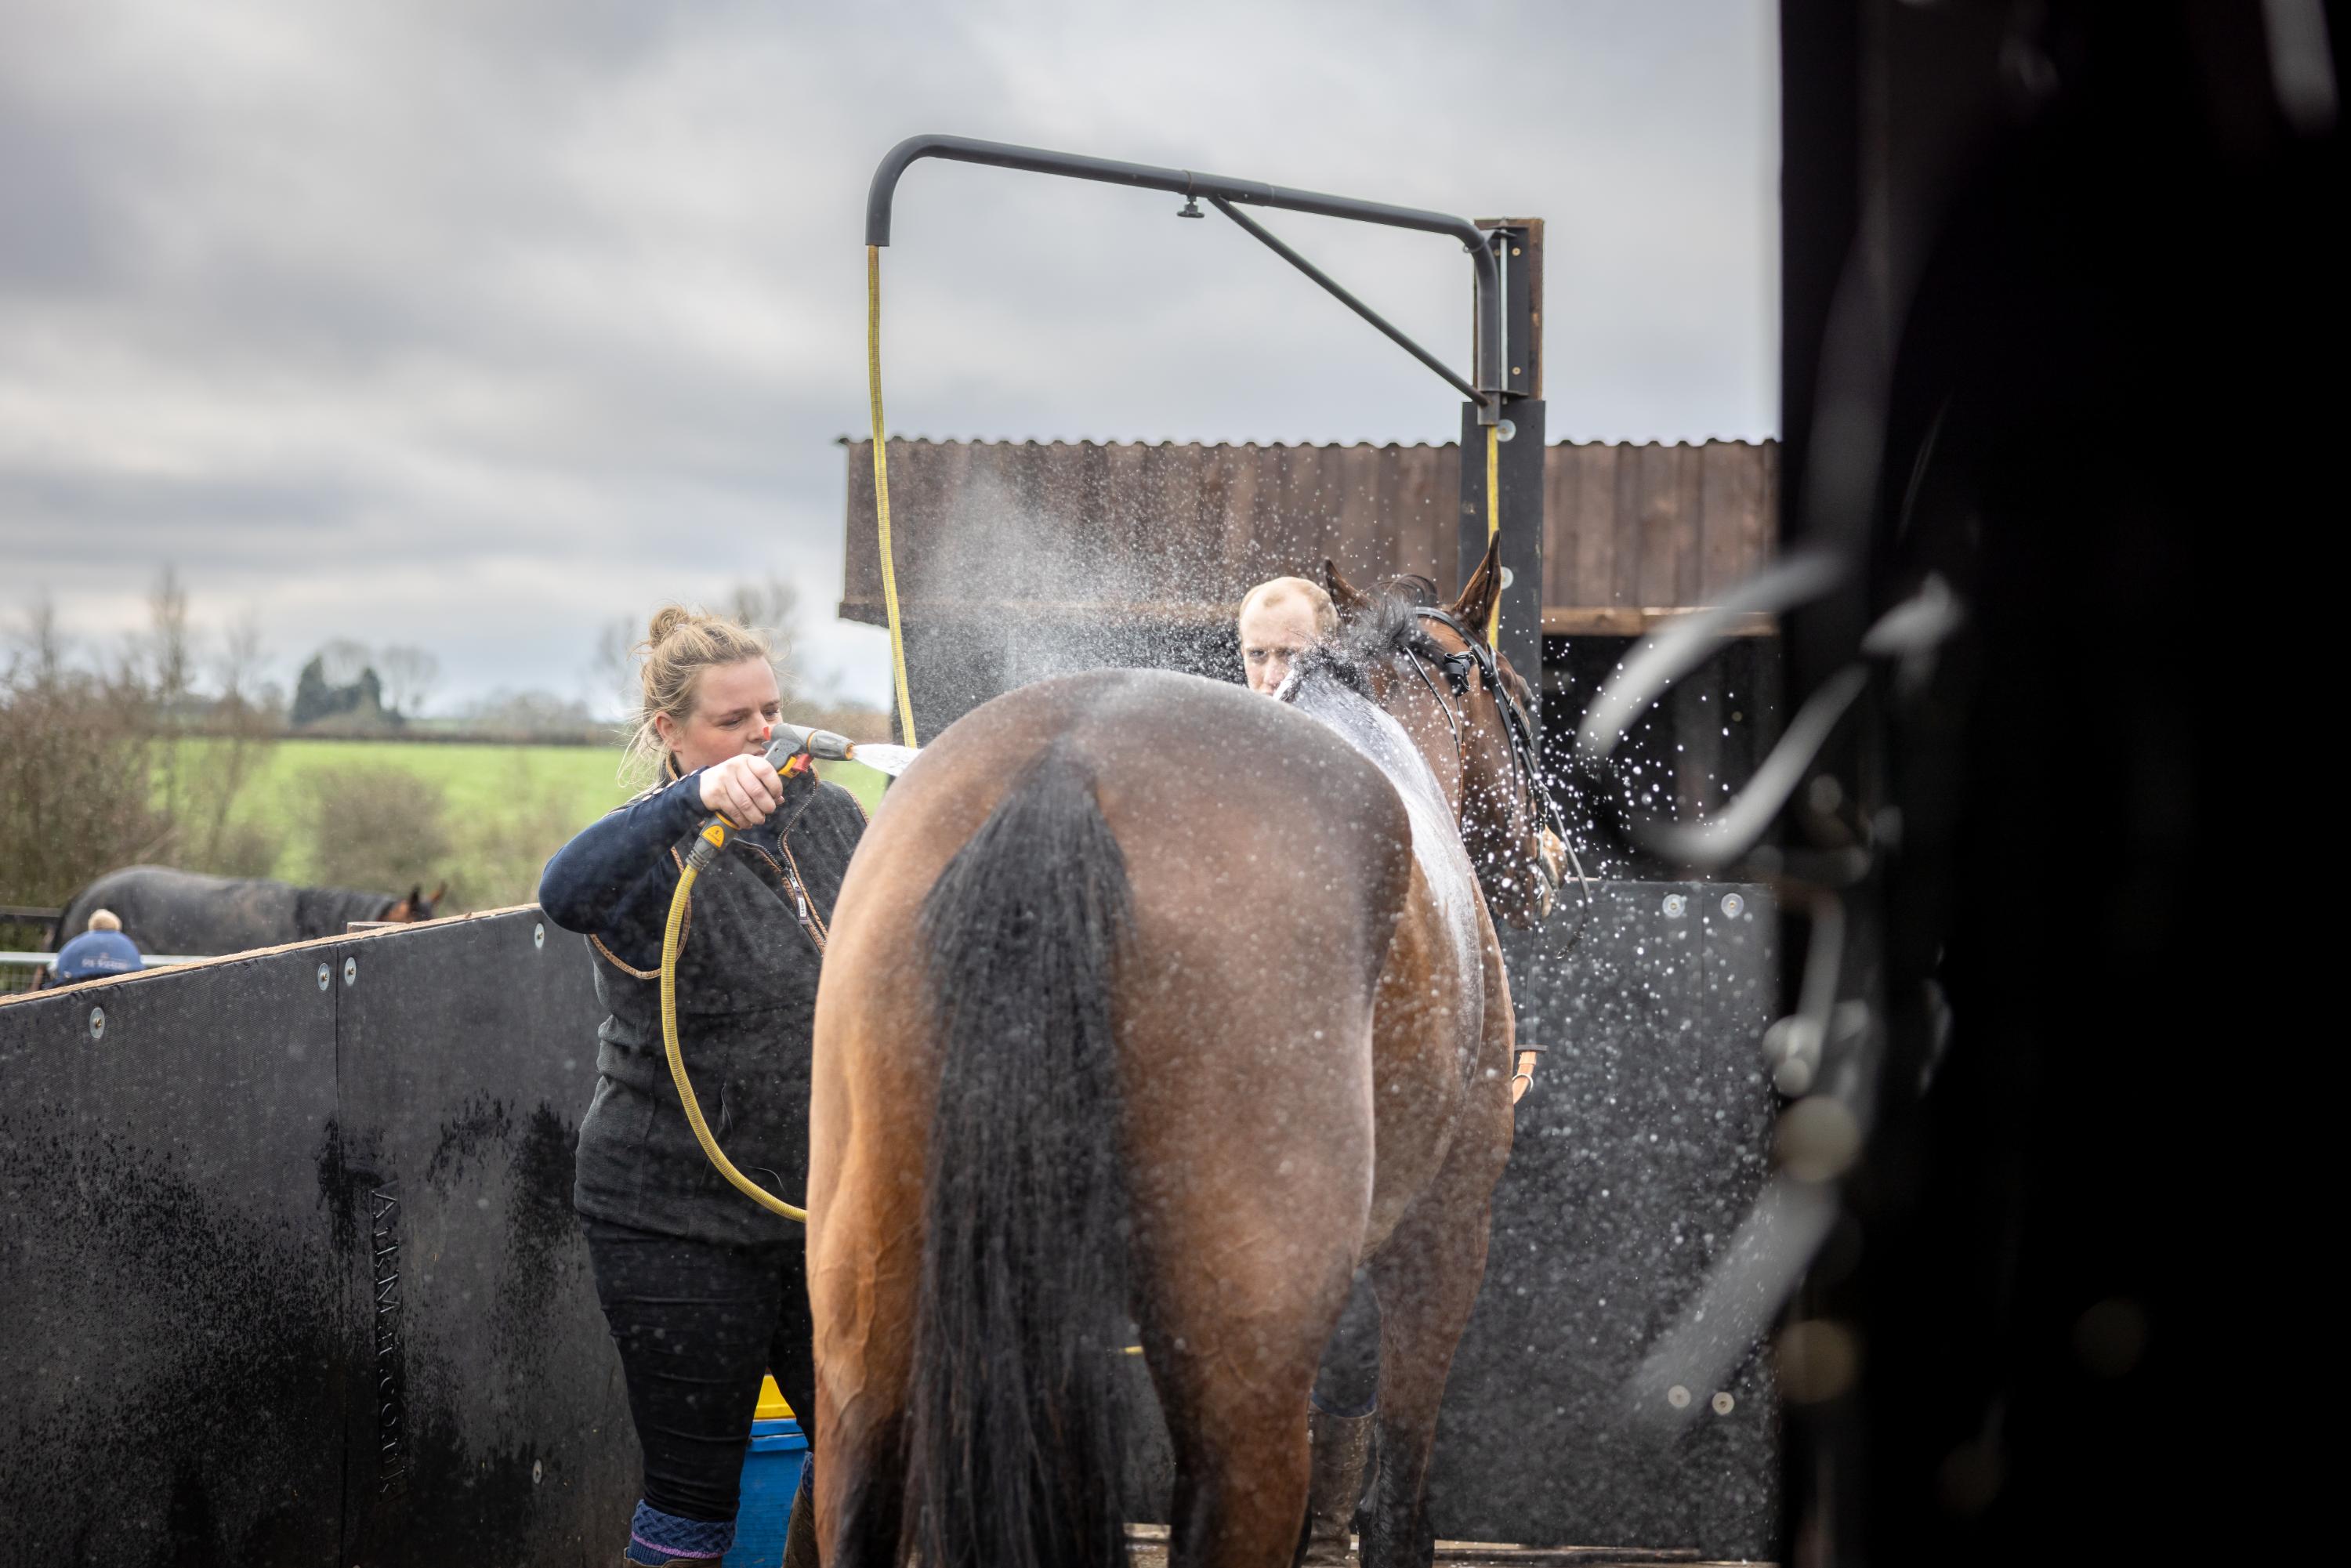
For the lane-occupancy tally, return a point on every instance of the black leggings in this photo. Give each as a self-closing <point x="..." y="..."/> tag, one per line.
<point x="696" y="1324"/>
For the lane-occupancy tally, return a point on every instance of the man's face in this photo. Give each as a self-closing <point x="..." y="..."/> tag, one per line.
<point x="1274" y="631"/>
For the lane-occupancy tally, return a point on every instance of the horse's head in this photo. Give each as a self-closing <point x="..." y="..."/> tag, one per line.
<point x="1467" y="710"/>
<point x="417" y="905"/>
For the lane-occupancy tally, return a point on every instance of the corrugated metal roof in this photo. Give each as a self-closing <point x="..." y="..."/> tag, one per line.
<point x="1632" y="532"/>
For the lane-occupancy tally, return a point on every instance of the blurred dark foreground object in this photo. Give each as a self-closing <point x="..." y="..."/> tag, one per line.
<point x="2063" y="344"/>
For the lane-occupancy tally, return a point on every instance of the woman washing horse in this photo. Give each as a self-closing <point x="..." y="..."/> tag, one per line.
<point x="704" y="1290"/>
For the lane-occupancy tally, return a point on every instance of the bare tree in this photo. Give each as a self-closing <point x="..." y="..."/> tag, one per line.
<point x="772" y="608"/>
<point x="233" y="753"/>
<point x="162" y="671"/>
<point x="615" y="668"/>
<point x="409" y="673"/>
<point x="78" y="781"/>
<point x="39" y="642"/>
<point x="343" y="660"/>
<point x="170" y="651"/>
<point x="99" y="768"/>
<point x="238" y="664"/>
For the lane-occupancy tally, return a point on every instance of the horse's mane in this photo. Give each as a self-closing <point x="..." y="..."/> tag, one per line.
<point x="1390" y="625"/>
<point x="1333" y="681"/>
<point x="1369" y="637"/>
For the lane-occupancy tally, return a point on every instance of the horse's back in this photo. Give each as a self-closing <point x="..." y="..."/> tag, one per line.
<point x="1228" y="807"/>
<point x="1236" y="817"/>
<point x="165" y="910"/>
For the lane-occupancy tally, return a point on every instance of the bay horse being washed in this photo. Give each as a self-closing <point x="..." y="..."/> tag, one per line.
<point x="1149" y="999"/>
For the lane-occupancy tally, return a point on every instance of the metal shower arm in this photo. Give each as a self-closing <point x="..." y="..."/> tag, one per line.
<point x="1220" y="190"/>
<point x="1272" y="242"/>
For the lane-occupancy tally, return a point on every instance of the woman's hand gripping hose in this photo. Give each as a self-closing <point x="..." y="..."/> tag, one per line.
<point x="744" y="790"/>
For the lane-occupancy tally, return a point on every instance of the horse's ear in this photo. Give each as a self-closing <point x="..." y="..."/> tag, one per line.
<point x="415" y="897"/>
<point x="1345" y="597"/>
<point x="438" y="894"/>
<point x="1476" y="605"/>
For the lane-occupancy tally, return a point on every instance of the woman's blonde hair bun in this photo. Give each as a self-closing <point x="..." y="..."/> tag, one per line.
<point x="680" y="644"/>
<point x="105" y="920"/>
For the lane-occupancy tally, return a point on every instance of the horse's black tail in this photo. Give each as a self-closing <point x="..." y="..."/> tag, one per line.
<point x="1023" y="1305"/>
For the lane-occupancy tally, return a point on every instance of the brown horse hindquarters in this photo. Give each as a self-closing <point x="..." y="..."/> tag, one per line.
<point x="1267" y="865"/>
<point x="1246" y="1031"/>
<point x="1252" y="1236"/>
<point x="874" y="1076"/>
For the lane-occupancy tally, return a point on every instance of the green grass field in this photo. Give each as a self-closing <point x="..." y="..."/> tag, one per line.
<point x="506" y="807"/>
<point x="478" y="779"/>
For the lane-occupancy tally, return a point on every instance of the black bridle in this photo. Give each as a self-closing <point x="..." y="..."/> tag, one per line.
<point x="1516" y="726"/>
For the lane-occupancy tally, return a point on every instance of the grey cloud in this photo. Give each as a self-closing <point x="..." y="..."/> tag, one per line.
<point x="484" y="324"/>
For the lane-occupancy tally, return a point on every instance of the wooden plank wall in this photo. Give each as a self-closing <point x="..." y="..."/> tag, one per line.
<point x="1630" y="531"/>
<point x="1653" y="527"/>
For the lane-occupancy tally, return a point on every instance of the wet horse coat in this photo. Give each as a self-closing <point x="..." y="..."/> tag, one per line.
<point x="1145" y="994"/>
<point x="1442" y="865"/>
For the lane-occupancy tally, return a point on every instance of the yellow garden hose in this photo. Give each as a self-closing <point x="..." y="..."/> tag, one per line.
<point x="713" y="839"/>
<point x="713" y="836"/>
<point x="881" y="492"/>
<point x="1494" y="525"/>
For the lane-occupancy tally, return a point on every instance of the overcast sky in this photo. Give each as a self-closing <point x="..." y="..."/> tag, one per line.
<point x="478" y="325"/>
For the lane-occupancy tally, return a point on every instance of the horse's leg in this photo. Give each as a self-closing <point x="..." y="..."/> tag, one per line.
<point x="864" y="1363"/>
<point x="1427" y="1278"/>
<point x="1249" y="1209"/>
<point x="861" y="1486"/>
<point x="865" y="1239"/>
<point x="1428" y="1269"/>
<point x="1246" y="1075"/>
<point x="1233" y="1360"/>
<point x="1244" y="1248"/>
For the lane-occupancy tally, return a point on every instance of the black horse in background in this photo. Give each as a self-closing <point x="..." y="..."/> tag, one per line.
<point x="188" y="912"/>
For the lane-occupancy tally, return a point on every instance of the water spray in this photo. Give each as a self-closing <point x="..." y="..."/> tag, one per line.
<point x="827" y="746"/>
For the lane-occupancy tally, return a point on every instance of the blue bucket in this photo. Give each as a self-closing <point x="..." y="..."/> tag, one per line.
<point x="771" y="1478"/>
